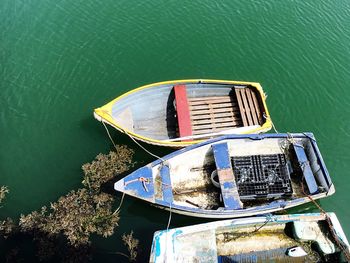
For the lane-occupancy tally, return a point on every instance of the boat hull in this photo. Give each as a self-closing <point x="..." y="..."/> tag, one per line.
<point x="149" y="113"/>
<point x="181" y="181"/>
<point x="211" y="242"/>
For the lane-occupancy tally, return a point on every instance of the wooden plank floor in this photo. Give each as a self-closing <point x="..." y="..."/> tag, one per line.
<point x="248" y="106"/>
<point x="214" y="114"/>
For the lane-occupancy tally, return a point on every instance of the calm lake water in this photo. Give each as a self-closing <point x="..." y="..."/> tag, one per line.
<point x="61" y="59"/>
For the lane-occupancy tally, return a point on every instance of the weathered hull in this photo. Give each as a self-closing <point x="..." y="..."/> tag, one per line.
<point x="245" y="213"/>
<point x="260" y="239"/>
<point x="215" y="108"/>
<point x="181" y="181"/>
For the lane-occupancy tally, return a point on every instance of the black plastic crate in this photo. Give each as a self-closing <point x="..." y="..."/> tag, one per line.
<point x="262" y="176"/>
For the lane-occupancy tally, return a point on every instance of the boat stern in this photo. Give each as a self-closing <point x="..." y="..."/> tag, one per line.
<point x="331" y="190"/>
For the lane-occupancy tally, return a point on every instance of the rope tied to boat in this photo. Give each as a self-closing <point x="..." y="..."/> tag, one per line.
<point x="291" y="139"/>
<point x="144" y="179"/>
<point x="269" y="118"/>
<point x="268" y="217"/>
<point x="120" y="205"/>
<point x="131" y="137"/>
<point x="340" y="243"/>
<point x="143" y="148"/>
<point x="141" y="179"/>
<point x="109" y="135"/>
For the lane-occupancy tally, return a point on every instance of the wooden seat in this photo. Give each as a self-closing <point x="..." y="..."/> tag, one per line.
<point x="214" y="114"/>
<point x="227" y="180"/>
<point x="249" y="106"/>
<point x="182" y="111"/>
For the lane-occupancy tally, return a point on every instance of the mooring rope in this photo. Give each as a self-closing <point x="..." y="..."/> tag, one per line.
<point x="169" y="220"/>
<point x="152" y="154"/>
<point x="337" y="239"/>
<point x="167" y="233"/>
<point x="329" y="222"/>
<point x="109" y="135"/>
<point x="120" y="204"/>
<point x="268" y="219"/>
<point x="143" y="148"/>
<point x="147" y="151"/>
<point x="131" y="137"/>
<point x="115" y="146"/>
<point x="273" y="125"/>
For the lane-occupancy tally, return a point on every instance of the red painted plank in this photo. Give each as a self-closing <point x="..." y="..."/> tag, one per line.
<point x="183" y="111"/>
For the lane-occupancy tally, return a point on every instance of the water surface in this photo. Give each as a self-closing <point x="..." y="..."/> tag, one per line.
<point x="61" y="59"/>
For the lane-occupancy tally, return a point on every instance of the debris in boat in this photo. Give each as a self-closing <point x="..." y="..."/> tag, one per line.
<point x="191" y="203"/>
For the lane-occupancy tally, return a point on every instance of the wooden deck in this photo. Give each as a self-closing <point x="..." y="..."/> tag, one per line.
<point x="248" y="106"/>
<point x="200" y="116"/>
<point x="215" y="114"/>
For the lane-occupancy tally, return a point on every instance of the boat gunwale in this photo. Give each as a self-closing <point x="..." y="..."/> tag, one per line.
<point x="257" y="219"/>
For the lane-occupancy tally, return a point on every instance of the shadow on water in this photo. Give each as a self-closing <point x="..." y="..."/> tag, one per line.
<point x="94" y="128"/>
<point x="23" y="247"/>
<point x="133" y="212"/>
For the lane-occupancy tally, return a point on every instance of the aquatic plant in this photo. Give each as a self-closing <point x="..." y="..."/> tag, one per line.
<point x="7" y="225"/>
<point x="67" y="224"/>
<point x="3" y="192"/>
<point x="85" y="211"/>
<point x="76" y="215"/>
<point x="132" y="244"/>
<point x="106" y="166"/>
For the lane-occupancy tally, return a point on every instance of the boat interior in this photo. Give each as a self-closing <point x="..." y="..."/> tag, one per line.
<point x="242" y="173"/>
<point x="298" y="241"/>
<point x="168" y="112"/>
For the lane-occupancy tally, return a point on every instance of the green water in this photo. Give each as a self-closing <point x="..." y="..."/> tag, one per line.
<point x="61" y="59"/>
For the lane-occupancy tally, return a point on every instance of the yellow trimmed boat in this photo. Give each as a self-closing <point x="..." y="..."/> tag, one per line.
<point x="184" y="112"/>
